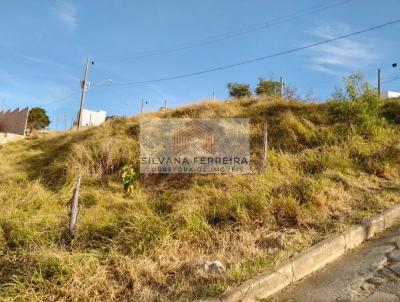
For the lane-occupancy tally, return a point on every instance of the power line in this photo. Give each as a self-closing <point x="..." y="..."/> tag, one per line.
<point x="230" y="35"/>
<point x="62" y="99"/>
<point x="281" y="53"/>
<point x="391" y="80"/>
<point x="373" y="86"/>
<point x="382" y="66"/>
<point x="66" y="97"/>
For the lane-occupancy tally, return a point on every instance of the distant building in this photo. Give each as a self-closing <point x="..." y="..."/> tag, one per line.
<point x="91" y="118"/>
<point x="13" y="124"/>
<point x="390" y="95"/>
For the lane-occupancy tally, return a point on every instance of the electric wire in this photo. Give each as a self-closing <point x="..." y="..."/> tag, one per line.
<point x="230" y="35"/>
<point x="262" y="58"/>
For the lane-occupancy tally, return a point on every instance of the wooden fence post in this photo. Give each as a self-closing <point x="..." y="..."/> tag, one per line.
<point x="74" y="207"/>
<point x="265" y="149"/>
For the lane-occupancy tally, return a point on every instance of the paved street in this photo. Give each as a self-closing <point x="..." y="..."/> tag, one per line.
<point x="371" y="274"/>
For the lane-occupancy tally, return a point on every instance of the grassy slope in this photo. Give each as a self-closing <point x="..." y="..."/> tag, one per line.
<point x="322" y="177"/>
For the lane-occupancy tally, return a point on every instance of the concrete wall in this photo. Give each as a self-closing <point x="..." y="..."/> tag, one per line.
<point x="92" y="118"/>
<point x="14" y="121"/>
<point x="390" y="95"/>
<point x="9" y="137"/>
<point x="3" y="138"/>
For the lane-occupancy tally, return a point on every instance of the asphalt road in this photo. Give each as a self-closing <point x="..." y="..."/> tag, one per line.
<point x="371" y="273"/>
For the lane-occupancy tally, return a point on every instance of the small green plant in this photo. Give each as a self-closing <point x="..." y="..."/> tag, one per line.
<point x="130" y="180"/>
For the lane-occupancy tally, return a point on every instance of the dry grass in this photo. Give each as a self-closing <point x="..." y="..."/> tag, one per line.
<point x="322" y="177"/>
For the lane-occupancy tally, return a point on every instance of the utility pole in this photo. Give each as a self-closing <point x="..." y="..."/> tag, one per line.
<point x="65" y="122"/>
<point x="57" y="122"/>
<point x="379" y="83"/>
<point x="83" y="84"/>
<point x="394" y="65"/>
<point x="143" y="102"/>
<point x="213" y="96"/>
<point x="281" y="84"/>
<point x="165" y="104"/>
<point x="265" y="151"/>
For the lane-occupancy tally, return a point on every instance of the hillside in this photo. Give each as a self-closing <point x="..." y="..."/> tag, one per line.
<point x="330" y="166"/>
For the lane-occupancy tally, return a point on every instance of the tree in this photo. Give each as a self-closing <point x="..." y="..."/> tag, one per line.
<point x="268" y="88"/>
<point x="37" y="119"/>
<point x="238" y="90"/>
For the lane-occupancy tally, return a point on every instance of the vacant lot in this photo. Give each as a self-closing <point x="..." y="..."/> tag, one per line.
<point x="330" y="165"/>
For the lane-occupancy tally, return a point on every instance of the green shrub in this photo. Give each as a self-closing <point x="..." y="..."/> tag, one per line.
<point x="391" y="111"/>
<point x="357" y="107"/>
<point x="237" y="90"/>
<point x="268" y="87"/>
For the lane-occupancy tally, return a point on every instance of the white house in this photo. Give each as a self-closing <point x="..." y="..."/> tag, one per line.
<point x="390" y="95"/>
<point x="91" y="118"/>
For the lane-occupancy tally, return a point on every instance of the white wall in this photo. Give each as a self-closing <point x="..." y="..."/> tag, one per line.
<point x="9" y="137"/>
<point x="92" y="118"/>
<point x="390" y="95"/>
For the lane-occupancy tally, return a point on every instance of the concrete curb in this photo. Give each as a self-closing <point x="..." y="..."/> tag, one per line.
<point x="310" y="260"/>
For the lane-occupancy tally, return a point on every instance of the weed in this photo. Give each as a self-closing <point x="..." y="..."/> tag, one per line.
<point x="130" y="180"/>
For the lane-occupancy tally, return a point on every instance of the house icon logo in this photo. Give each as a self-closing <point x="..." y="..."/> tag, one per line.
<point x="194" y="130"/>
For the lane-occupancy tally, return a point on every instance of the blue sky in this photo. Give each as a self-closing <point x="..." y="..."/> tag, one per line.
<point x="43" y="45"/>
